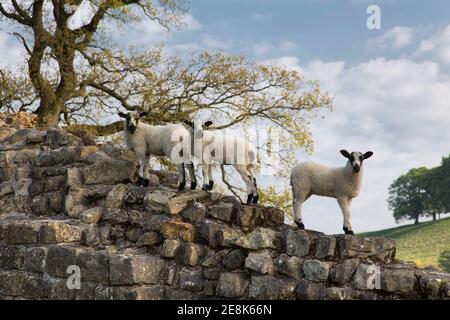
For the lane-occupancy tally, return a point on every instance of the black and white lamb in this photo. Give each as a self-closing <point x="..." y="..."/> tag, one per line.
<point x="170" y="140"/>
<point x="343" y="183"/>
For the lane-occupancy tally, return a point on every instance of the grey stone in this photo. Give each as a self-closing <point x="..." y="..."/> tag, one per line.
<point x="133" y="234"/>
<point x="260" y="261"/>
<point x="21" y="233"/>
<point x="157" y="200"/>
<point x="116" y="197"/>
<point x="222" y="211"/>
<point x="191" y="280"/>
<point x="235" y="259"/>
<point x="271" y="288"/>
<point x="41" y="205"/>
<point x="316" y="270"/>
<point x="109" y="171"/>
<point x="232" y="285"/>
<point x="213" y="258"/>
<point x="381" y="249"/>
<point x="364" y="276"/>
<point x="297" y="243"/>
<point x="335" y="293"/>
<point x="59" y="258"/>
<point x="341" y="273"/>
<point x="6" y="188"/>
<point x="325" y="247"/>
<point x="208" y="231"/>
<point x="399" y="281"/>
<point x="34" y="259"/>
<point x="290" y="266"/>
<point x="150" y="239"/>
<point x="92" y="215"/>
<point x="135" y="269"/>
<point x="170" y="248"/>
<point x="191" y="254"/>
<point x="209" y="288"/>
<point x="195" y="213"/>
<point x="11" y="257"/>
<point x="307" y="290"/>
<point x="177" y="204"/>
<point x="154" y="221"/>
<point x="227" y="237"/>
<point x="94" y="266"/>
<point x="261" y="238"/>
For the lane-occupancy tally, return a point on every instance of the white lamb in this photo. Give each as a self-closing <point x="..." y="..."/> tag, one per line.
<point x="343" y="183"/>
<point x="171" y="140"/>
<point x="216" y="146"/>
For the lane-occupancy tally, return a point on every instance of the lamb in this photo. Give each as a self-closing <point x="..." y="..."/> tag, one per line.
<point x="343" y="183"/>
<point x="171" y="140"/>
<point x="226" y="150"/>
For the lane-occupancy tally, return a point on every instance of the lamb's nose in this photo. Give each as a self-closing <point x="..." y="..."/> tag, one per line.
<point x="356" y="168"/>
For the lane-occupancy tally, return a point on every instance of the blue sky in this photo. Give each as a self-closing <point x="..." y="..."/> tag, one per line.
<point x="391" y="86"/>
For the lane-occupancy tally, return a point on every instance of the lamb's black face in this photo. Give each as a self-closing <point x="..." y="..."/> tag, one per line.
<point x="356" y="158"/>
<point x="132" y="120"/>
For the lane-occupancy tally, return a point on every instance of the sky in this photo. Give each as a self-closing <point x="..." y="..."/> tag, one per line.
<point x="391" y="86"/>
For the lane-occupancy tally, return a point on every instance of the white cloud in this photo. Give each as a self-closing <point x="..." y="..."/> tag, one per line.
<point x="287" y="45"/>
<point x="262" y="48"/>
<point x="398" y="109"/>
<point x="190" y="22"/>
<point x="395" y="38"/>
<point x="437" y="46"/>
<point x="11" y="51"/>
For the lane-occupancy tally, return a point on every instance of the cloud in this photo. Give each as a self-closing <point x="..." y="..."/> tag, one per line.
<point x="397" y="108"/>
<point x="437" y="46"/>
<point x="287" y="45"/>
<point x="11" y="51"/>
<point x="395" y="38"/>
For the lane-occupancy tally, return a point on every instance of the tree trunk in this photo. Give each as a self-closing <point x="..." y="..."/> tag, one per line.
<point x="434" y="216"/>
<point x="416" y="221"/>
<point x="48" y="114"/>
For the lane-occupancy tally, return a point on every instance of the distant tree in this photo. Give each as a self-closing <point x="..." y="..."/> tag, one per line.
<point x="407" y="196"/>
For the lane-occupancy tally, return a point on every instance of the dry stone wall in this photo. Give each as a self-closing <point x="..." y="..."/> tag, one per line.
<point x="65" y="204"/>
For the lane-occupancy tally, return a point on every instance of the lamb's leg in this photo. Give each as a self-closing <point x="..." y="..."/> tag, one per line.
<point x="146" y="180"/>
<point x="210" y="178"/>
<point x="140" y="168"/>
<point x="181" y="177"/>
<point x="205" y="176"/>
<point x="254" y="186"/>
<point x="190" y="167"/>
<point x="344" y="203"/>
<point x="297" y="202"/>
<point x="248" y="181"/>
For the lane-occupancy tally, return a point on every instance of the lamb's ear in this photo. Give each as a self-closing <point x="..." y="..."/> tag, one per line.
<point x="345" y="153"/>
<point x="207" y="124"/>
<point x="122" y="115"/>
<point x="368" y="154"/>
<point x="143" y="114"/>
<point x="189" y="123"/>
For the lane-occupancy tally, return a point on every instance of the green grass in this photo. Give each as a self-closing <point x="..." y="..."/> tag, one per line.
<point x="426" y="244"/>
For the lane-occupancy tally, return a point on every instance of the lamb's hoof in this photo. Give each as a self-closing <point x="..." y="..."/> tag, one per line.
<point x="255" y="199"/>
<point x="146" y="183"/>
<point x="181" y="186"/>
<point x="205" y="188"/>
<point x="193" y="185"/>
<point x="210" y="185"/>
<point x="140" y="181"/>
<point x="249" y="198"/>
<point x="347" y="231"/>
<point x="300" y="224"/>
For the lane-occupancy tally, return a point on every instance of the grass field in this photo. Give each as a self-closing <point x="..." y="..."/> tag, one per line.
<point x="426" y="244"/>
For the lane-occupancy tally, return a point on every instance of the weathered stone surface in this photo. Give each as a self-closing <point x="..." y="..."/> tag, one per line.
<point x="400" y="281"/>
<point x="58" y="232"/>
<point x="195" y="213"/>
<point x="94" y="266"/>
<point x="273" y="217"/>
<point x="59" y="258"/>
<point x="11" y="257"/>
<point x="364" y="276"/>
<point x="133" y="234"/>
<point x="123" y="216"/>
<point x="178" y="203"/>
<point x="235" y="259"/>
<point x="213" y="258"/>
<point x="227" y="237"/>
<point x="232" y="285"/>
<point x="342" y="272"/>
<point x="249" y="216"/>
<point x="92" y="215"/>
<point x="177" y="294"/>
<point x="135" y="269"/>
<point x="271" y="288"/>
<point x="260" y="261"/>
<point x="316" y="270"/>
<point x="307" y="290"/>
<point x="208" y="231"/>
<point x="109" y="171"/>
<point x="334" y="293"/>
<point x="297" y="243"/>
<point x="22" y="233"/>
<point x="170" y="248"/>
<point x="222" y="211"/>
<point x="157" y="200"/>
<point x="381" y="249"/>
<point x="261" y="238"/>
<point x="290" y="266"/>
<point x="191" y="280"/>
<point x="191" y="254"/>
<point x="154" y="221"/>
<point x="116" y="197"/>
<point x="434" y="285"/>
<point x="177" y="230"/>
<point x="56" y="138"/>
<point x="54" y="183"/>
<point x="6" y="188"/>
<point x="209" y="288"/>
<point x="325" y="246"/>
<point x="34" y="259"/>
<point x="150" y="239"/>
